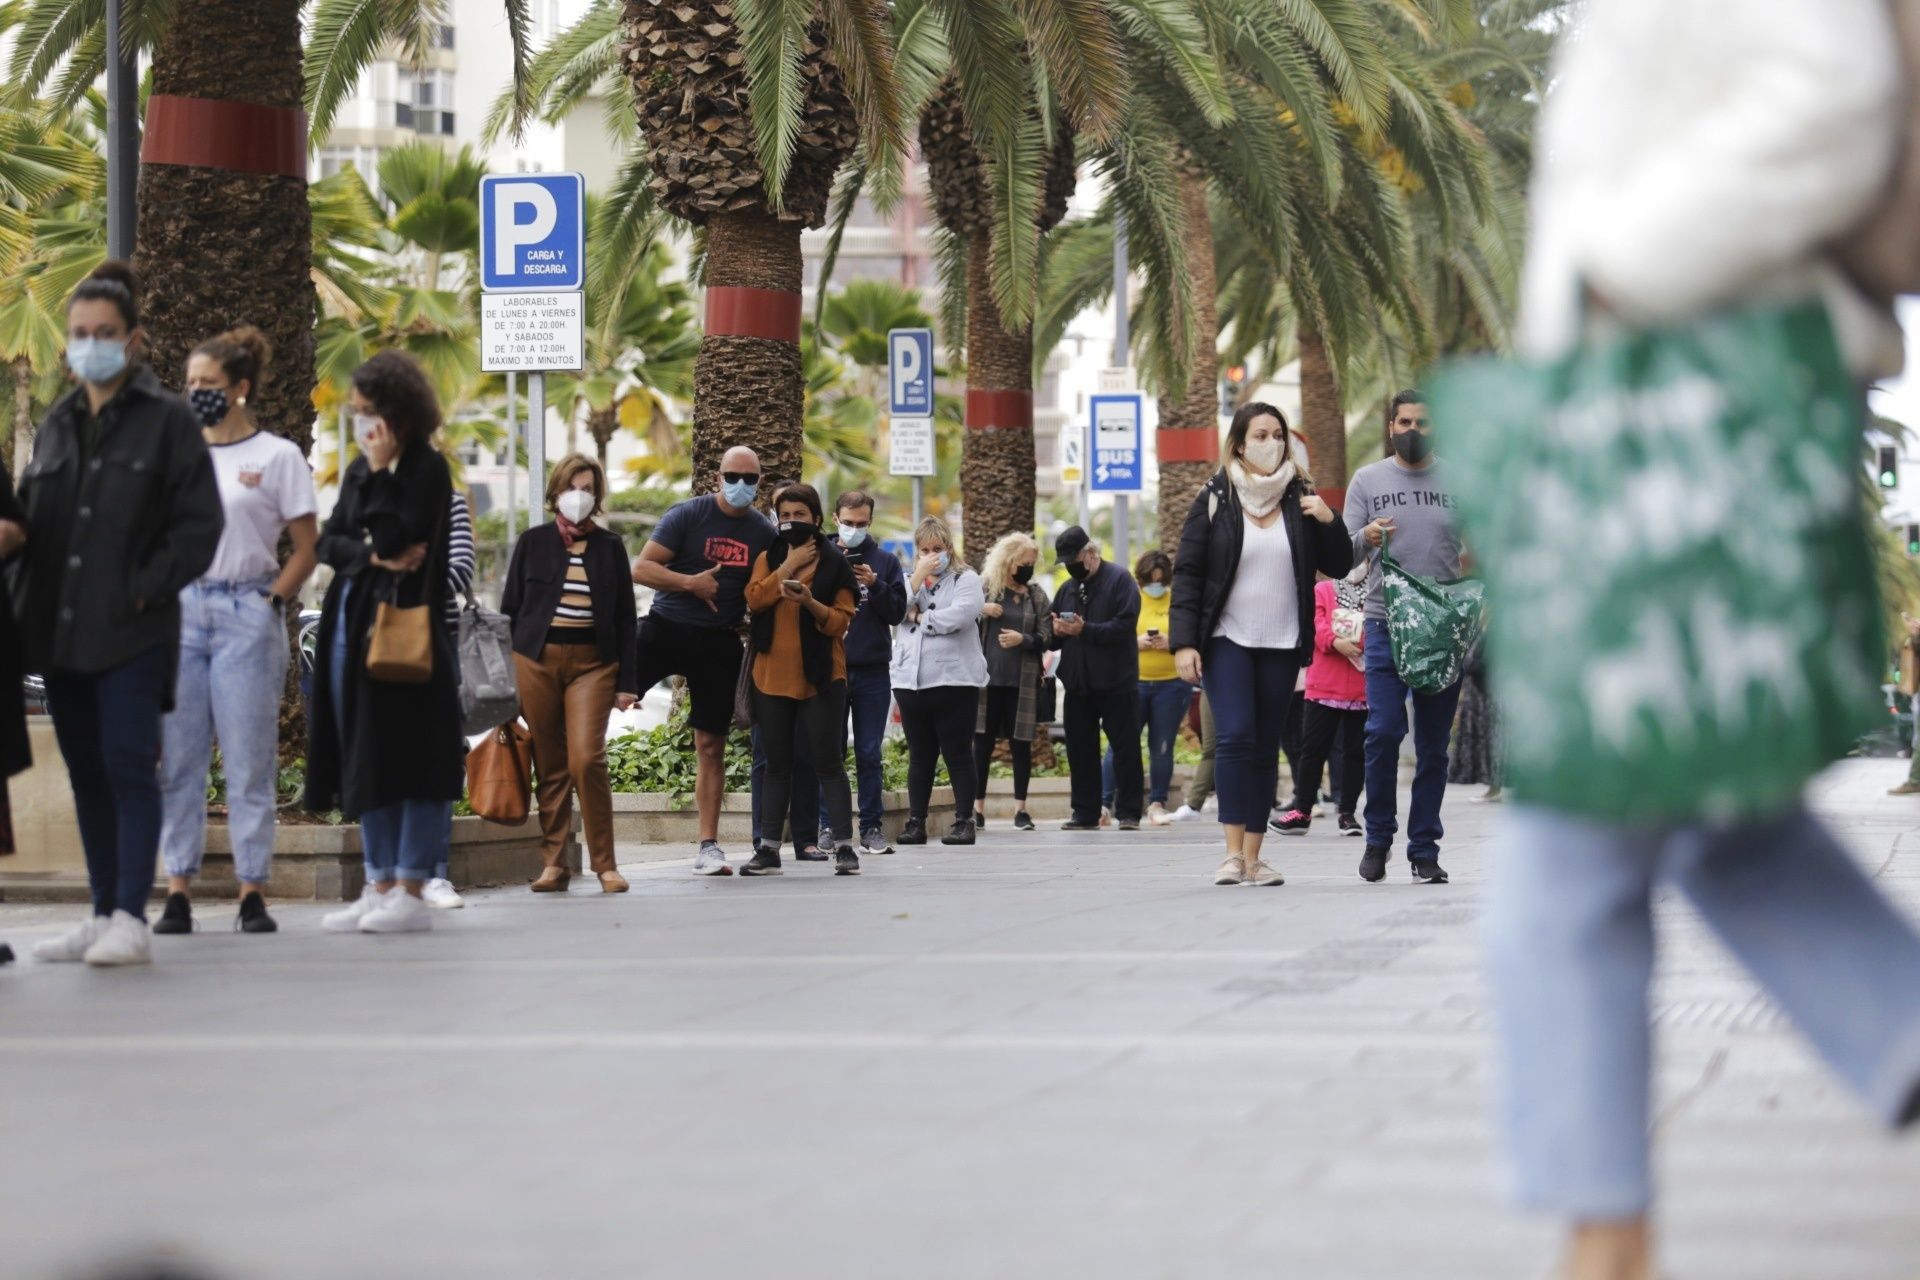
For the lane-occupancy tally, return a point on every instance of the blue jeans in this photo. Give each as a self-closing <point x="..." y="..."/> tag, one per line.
<point x="1163" y="705"/>
<point x="869" y="698"/>
<point x="1249" y="690"/>
<point x="1386" y="729"/>
<point x="108" y="725"/>
<point x="1570" y="934"/>
<point x="233" y="667"/>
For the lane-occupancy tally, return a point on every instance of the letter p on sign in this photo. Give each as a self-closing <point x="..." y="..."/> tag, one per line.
<point x="525" y="213"/>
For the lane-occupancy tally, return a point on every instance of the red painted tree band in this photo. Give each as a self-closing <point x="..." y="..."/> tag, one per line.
<point x="734" y="311"/>
<point x="240" y="137"/>
<point x="1335" y="498"/>
<point x="990" y="410"/>
<point x="1187" y="444"/>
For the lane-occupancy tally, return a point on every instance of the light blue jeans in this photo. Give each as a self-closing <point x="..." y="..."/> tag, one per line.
<point x="233" y="668"/>
<point x="1570" y="932"/>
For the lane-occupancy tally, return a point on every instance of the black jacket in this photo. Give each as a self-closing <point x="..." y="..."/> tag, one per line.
<point x="1209" y="560"/>
<point x="537" y="575"/>
<point x="15" y="752"/>
<point x="399" y="741"/>
<point x="1105" y="656"/>
<point x="115" y="536"/>
<point x="882" y="607"/>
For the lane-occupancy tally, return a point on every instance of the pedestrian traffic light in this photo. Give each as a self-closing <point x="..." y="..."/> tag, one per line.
<point x="1889" y="467"/>
<point x="1913" y="539"/>
<point x="1233" y="380"/>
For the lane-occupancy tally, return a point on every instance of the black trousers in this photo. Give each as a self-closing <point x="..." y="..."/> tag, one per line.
<point x="938" y="724"/>
<point x="1316" y="743"/>
<point x="823" y="719"/>
<point x="1085" y="714"/>
<point x="1003" y="703"/>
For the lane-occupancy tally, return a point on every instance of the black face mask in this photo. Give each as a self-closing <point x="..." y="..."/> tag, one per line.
<point x="1076" y="570"/>
<point x="798" y="533"/>
<point x="1023" y="575"/>
<point x="209" y="405"/>
<point x="1412" y="446"/>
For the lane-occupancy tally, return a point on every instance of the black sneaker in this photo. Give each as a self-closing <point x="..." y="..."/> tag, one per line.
<point x="845" y="861"/>
<point x="915" y="832"/>
<point x="253" y="916"/>
<point x="6" y="957"/>
<point x="1129" y="824"/>
<point x="1023" y="821"/>
<point x="1074" y="824"/>
<point x="810" y="853"/>
<point x="1350" y="826"/>
<point x="874" y="842"/>
<point x="1294" y="822"/>
<point x="177" y="916"/>
<point x="979" y="819"/>
<point x="961" y="832"/>
<point x="765" y="862"/>
<point x="1373" y="863"/>
<point x="1428" y="870"/>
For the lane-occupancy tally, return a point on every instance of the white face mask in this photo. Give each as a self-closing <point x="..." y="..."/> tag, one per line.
<point x="363" y="425"/>
<point x="1262" y="455"/>
<point x="576" y="505"/>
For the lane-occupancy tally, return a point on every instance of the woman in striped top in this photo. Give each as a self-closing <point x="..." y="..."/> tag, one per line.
<point x="570" y="598"/>
<point x="461" y="561"/>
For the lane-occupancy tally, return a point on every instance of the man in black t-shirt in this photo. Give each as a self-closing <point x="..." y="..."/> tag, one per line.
<point x="697" y="562"/>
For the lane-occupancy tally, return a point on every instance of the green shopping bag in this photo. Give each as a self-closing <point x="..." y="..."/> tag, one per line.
<point x="1685" y="621"/>
<point x="1432" y="624"/>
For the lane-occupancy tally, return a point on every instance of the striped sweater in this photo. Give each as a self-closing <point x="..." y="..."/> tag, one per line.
<point x="460" y="559"/>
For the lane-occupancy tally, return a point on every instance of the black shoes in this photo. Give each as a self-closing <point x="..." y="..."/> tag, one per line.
<point x="6" y="956"/>
<point x="1074" y="824"/>
<point x="961" y="832"/>
<point x="765" y="862"/>
<point x="810" y="853"/>
<point x="979" y="819"/>
<point x="1023" y="821"/>
<point x="177" y="917"/>
<point x="1428" y="870"/>
<point x="1129" y="824"/>
<point x="845" y="861"/>
<point x="1350" y="826"/>
<point x="1294" y="822"/>
<point x="253" y="914"/>
<point x="1373" y="863"/>
<point x="915" y="832"/>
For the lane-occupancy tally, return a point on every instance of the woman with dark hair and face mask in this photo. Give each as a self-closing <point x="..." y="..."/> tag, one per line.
<point x="124" y="512"/>
<point x="802" y="595"/>
<point x="570" y="599"/>
<point x="233" y="634"/>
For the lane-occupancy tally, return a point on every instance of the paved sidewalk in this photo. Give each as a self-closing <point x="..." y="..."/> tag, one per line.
<point x="1046" y="1056"/>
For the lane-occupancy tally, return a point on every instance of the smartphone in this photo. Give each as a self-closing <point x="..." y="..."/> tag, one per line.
<point x="1152" y="632"/>
<point x="1071" y="617"/>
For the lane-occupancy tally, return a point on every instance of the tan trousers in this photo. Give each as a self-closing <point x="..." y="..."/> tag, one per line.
<point x="566" y="697"/>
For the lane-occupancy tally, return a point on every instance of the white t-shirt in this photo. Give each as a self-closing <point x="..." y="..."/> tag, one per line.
<point x="1263" y="609"/>
<point x="264" y="485"/>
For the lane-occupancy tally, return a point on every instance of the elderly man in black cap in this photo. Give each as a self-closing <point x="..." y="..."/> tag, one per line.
<point x="1093" y="626"/>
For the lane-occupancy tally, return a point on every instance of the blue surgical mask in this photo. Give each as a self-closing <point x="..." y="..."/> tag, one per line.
<point x="96" y="360"/>
<point x="943" y="562"/>
<point x="738" y="493"/>
<point x="1155" y="589"/>
<point x="852" y="536"/>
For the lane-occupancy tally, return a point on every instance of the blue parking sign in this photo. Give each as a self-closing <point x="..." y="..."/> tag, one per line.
<point x="910" y="373"/>
<point x="533" y="232"/>
<point x="1116" y="460"/>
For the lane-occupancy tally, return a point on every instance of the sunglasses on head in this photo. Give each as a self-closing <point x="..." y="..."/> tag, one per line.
<point x="740" y="477"/>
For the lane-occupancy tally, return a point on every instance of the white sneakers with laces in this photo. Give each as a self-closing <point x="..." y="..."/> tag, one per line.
<point x="442" y="896"/>
<point x="125" y="940"/>
<point x="71" y="947"/>
<point x="401" y="912"/>
<point x="347" y="919"/>
<point x="711" y="861"/>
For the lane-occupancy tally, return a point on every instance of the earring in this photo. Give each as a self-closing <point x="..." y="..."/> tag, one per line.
<point x="242" y="402"/>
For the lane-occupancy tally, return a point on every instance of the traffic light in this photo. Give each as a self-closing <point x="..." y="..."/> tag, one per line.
<point x="1913" y="539"/>
<point x="1889" y="467"/>
<point x="1233" y="381"/>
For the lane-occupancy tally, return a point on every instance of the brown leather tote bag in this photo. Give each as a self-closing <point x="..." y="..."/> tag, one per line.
<point x="500" y="775"/>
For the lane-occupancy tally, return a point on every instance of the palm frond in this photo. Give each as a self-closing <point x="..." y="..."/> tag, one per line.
<point x="772" y="33"/>
<point x="1075" y="44"/>
<point x="1175" y="34"/>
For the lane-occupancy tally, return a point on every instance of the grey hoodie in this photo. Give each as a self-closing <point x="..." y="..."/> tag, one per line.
<point x="1421" y="507"/>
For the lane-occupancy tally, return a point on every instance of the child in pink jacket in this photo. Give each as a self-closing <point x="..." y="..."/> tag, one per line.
<point x="1336" y="707"/>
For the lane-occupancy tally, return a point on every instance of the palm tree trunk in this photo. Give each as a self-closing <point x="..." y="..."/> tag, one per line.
<point x="747" y="386"/>
<point x="601" y="424"/>
<point x="224" y="234"/>
<point x="20" y="438"/>
<point x="1188" y="441"/>
<point x="1322" y="421"/>
<point x="997" y="464"/>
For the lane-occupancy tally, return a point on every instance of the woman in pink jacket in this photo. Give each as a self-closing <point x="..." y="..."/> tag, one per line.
<point x="1336" y="706"/>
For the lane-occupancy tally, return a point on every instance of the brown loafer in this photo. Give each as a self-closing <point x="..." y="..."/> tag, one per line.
<point x="612" y="882"/>
<point x="553" y="880"/>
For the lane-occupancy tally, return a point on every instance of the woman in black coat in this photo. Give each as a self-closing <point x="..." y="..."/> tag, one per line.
<point x="387" y="752"/>
<point x="1242" y="616"/>
<point x="15" y="752"/>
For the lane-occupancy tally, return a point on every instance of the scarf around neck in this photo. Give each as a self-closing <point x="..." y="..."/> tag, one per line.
<point x="1260" y="494"/>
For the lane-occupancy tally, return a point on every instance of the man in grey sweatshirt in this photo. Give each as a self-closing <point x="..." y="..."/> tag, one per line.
<point x="1403" y="499"/>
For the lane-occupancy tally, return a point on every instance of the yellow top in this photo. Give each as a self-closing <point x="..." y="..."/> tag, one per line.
<point x="1156" y="664"/>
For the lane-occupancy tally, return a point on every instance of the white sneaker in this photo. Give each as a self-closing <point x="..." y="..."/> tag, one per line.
<point x="1262" y="874"/>
<point x="711" y="861"/>
<point x="71" y="947"/>
<point x="400" y="913"/>
<point x="347" y="919"/>
<point x="1186" y="813"/>
<point x="1157" y="816"/>
<point x="125" y="940"/>
<point x="441" y="895"/>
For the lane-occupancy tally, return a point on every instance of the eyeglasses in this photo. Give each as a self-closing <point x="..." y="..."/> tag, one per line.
<point x="740" y="477"/>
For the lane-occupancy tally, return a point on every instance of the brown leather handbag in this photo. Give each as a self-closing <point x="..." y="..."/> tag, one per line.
<point x="500" y="775"/>
<point x="400" y="646"/>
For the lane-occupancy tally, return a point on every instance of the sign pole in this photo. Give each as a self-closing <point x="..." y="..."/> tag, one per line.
<point x="536" y="444"/>
<point x="513" y="450"/>
<point x="919" y="500"/>
<point x="1122" y="550"/>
